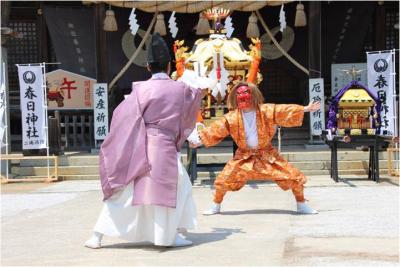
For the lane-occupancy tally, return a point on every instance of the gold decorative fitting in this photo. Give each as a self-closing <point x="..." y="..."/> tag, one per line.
<point x="216" y="13"/>
<point x="235" y="56"/>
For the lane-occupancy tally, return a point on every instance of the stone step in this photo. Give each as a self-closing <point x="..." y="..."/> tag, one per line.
<point x="89" y="160"/>
<point x="80" y="177"/>
<point x="63" y="170"/>
<point x="342" y="165"/>
<point x="326" y="155"/>
<point x="207" y="176"/>
<point x="320" y="165"/>
<point x="293" y="156"/>
<point x="61" y="177"/>
<point x="94" y="170"/>
<point x="207" y="158"/>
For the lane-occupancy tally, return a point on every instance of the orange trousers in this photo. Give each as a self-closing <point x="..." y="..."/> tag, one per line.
<point x="298" y="192"/>
<point x="259" y="165"/>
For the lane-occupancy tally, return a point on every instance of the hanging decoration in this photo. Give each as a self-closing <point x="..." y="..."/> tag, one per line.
<point x="300" y="19"/>
<point x="269" y="50"/>
<point x="173" y="29"/>
<point x="193" y="6"/>
<point x="297" y="64"/>
<point x="219" y="73"/>
<point x="133" y="25"/>
<point x="203" y="26"/>
<point x="252" y="28"/>
<point x="229" y="26"/>
<point x="160" y="25"/>
<point x="110" y="23"/>
<point x="282" y="19"/>
<point x="134" y="55"/>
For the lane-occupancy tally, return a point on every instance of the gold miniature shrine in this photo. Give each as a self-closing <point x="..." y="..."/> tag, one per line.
<point x="238" y="65"/>
<point x="355" y="109"/>
<point x="220" y="58"/>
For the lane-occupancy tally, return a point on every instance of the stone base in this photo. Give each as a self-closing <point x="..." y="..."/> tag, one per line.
<point x="95" y="151"/>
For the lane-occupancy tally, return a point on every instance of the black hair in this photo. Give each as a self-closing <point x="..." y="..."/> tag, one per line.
<point x="157" y="67"/>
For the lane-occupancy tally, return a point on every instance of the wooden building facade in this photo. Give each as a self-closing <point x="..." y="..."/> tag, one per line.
<point x="336" y="32"/>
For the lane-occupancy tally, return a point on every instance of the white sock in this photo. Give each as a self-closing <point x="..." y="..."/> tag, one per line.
<point x="97" y="236"/>
<point x="215" y="209"/>
<point x="94" y="241"/>
<point x="303" y="208"/>
<point x="181" y="242"/>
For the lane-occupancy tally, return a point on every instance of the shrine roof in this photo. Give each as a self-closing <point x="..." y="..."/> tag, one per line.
<point x="356" y="95"/>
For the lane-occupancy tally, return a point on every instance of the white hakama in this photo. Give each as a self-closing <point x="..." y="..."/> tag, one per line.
<point x="148" y="223"/>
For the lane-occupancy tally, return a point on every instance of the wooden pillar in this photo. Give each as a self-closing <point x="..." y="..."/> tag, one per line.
<point x="314" y="46"/>
<point x="5" y="13"/>
<point x="101" y="43"/>
<point x="42" y="34"/>
<point x="380" y="27"/>
<point x="314" y="39"/>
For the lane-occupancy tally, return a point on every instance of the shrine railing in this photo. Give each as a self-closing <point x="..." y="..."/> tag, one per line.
<point x="76" y="129"/>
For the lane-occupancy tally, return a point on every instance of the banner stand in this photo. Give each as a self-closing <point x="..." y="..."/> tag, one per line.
<point x="54" y="176"/>
<point x="396" y="108"/>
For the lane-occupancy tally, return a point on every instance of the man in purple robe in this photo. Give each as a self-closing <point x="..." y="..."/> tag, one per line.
<point x="147" y="192"/>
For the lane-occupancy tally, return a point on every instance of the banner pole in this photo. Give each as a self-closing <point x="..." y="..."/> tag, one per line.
<point x="46" y="117"/>
<point x="5" y="105"/>
<point x="396" y="107"/>
<point x="6" y="119"/>
<point x="395" y="95"/>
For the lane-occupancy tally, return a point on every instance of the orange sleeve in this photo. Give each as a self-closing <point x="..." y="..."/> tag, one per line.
<point x="215" y="133"/>
<point x="288" y="115"/>
<point x="199" y="117"/>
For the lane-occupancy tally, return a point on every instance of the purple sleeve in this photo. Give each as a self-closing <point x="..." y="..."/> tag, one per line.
<point x="123" y="154"/>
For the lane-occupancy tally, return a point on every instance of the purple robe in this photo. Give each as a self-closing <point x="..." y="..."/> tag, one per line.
<point x="147" y="130"/>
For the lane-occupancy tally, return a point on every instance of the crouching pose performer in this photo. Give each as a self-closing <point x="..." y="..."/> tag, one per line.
<point x="147" y="191"/>
<point x="252" y="127"/>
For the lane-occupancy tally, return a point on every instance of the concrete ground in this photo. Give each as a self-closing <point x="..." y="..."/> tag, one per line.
<point x="358" y="225"/>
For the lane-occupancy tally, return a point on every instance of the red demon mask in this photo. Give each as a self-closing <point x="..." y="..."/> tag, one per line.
<point x="243" y="97"/>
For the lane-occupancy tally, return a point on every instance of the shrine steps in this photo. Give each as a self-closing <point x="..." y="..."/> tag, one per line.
<point x="78" y="166"/>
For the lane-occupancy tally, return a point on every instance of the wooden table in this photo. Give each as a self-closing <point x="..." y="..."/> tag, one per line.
<point x="193" y="167"/>
<point x="373" y="142"/>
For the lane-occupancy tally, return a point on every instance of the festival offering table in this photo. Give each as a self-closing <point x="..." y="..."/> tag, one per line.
<point x="373" y="142"/>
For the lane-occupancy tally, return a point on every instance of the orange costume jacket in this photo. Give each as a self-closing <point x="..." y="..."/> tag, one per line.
<point x="263" y="163"/>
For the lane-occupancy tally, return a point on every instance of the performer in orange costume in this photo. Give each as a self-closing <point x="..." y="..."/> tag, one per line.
<point x="252" y="127"/>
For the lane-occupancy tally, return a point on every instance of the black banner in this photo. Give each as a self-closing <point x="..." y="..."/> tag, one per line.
<point x="73" y="36"/>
